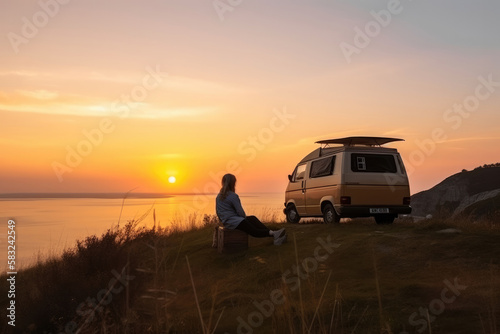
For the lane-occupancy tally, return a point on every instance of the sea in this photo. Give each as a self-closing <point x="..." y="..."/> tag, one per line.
<point x="45" y="225"/>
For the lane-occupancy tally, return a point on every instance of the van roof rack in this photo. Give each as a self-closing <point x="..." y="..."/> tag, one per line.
<point x="352" y="141"/>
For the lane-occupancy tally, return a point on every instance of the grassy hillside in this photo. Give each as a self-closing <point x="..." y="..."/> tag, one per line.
<point x="359" y="278"/>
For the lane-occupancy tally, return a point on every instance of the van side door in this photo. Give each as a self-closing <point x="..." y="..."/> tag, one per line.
<point x="322" y="182"/>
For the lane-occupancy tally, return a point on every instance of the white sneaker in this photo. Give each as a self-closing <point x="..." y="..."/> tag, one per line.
<point x="280" y="237"/>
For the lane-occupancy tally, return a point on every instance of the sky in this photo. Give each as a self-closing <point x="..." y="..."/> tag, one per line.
<point x="109" y="96"/>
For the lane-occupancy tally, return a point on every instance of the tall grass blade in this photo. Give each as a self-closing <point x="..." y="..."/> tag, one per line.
<point x="220" y="317"/>
<point x="196" y="297"/>
<point x="359" y="320"/>
<point x="303" y="322"/>
<point x="429" y="322"/>
<point x="178" y="253"/>
<point x="378" y="289"/>
<point x="123" y="204"/>
<point x="319" y="302"/>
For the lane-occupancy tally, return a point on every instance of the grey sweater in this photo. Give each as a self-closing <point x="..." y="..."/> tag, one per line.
<point x="229" y="210"/>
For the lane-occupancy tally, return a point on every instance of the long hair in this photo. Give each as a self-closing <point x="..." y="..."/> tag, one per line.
<point x="228" y="184"/>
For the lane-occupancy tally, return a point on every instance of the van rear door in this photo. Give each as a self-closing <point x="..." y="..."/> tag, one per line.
<point x="375" y="179"/>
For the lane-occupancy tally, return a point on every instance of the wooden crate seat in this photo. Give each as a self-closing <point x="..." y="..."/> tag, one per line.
<point x="231" y="240"/>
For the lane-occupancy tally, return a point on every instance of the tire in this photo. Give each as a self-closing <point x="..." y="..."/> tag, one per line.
<point x="292" y="216"/>
<point x="384" y="219"/>
<point x="330" y="216"/>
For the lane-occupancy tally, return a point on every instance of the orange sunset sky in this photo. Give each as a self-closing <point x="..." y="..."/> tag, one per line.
<point x="106" y="96"/>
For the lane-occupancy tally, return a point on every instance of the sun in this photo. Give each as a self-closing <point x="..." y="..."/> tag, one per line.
<point x="171" y="179"/>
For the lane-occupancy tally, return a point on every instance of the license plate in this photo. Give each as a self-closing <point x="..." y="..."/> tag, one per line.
<point x="379" y="210"/>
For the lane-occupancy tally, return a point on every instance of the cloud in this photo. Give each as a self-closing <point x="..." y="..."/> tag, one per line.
<point x="141" y="112"/>
<point x="469" y="139"/>
<point x="169" y="156"/>
<point x="40" y="94"/>
<point x="98" y="94"/>
<point x="198" y="86"/>
<point x="44" y="101"/>
<point x="20" y="74"/>
<point x="170" y="82"/>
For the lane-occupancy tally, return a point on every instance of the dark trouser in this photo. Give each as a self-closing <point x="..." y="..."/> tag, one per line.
<point x="253" y="227"/>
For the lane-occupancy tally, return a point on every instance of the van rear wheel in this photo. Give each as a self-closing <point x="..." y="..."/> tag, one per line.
<point x="292" y="216"/>
<point x="330" y="216"/>
<point x="385" y="219"/>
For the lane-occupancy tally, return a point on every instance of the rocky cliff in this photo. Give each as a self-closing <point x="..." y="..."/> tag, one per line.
<point x="475" y="193"/>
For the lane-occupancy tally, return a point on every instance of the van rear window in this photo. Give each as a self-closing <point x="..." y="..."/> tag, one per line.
<point x="373" y="163"/>
<point x="322" y="167"/>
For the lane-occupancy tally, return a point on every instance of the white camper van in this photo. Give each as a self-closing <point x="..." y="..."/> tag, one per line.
<point x="349" y="177"/>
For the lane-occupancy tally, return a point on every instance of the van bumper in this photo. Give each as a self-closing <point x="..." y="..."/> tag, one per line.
<point x="353" y="211"/>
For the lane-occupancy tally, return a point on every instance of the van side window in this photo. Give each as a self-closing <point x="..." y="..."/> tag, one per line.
<point x="322" y="167"/>
<point x="300" y="172"/>
<point x="373" y="163"/>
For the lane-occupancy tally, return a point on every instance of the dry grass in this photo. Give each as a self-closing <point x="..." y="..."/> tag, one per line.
<point x="372" y="283"/>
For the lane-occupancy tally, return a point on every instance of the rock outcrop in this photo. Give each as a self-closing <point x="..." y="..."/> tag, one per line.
<point x="460" y="193"/>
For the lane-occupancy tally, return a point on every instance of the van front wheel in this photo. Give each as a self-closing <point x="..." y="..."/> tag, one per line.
<point x="292" y="216"/>
<point x="330" y="216"/>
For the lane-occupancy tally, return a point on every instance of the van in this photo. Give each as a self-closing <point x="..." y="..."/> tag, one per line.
<point x="349" y="177"/>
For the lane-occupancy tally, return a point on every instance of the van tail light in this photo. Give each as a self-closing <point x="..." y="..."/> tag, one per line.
<point x="406" y="200"/>
<point x="345" y="200"/>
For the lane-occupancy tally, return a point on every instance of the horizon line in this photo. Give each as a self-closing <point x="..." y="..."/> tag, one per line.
<point x="109" y="195"/>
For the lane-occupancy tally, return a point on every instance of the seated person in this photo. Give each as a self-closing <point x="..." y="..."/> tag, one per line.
<point x="231" y="213"/>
